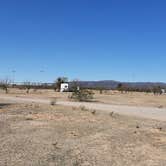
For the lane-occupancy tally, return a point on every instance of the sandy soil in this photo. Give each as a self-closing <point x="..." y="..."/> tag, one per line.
<point x="138" y="111"/>
<point x="108" y="97"/>
<point x="35" y="133"/>
<point x="39" y="135"/>
<point x="132" y="99"/>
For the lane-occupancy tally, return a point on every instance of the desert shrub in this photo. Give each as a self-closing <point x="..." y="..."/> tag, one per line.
<point x="100" y="90"/>
<point x="53" y="102"/>
<point x="111" y="114"/>
<point x="82" y="95"/>
<point x="83" y="108"/>
<point x="27" y="85"/>
<point x="29" y="118"/>
<point x="4" y="87"/>
<point x="93" y="112"/>
<point x="160" y="106"/>
<point x="157" y="90"/>
<point x="120" y="87"/>
<point x="4" y="84"/>
<point x="74" y="86"/>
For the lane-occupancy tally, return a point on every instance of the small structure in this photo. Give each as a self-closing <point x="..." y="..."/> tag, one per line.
<point x="64" y="87"/>
<point x="163" y="91"/>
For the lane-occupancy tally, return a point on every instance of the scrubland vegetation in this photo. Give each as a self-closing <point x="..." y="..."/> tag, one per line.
<point x="48" y="133"/>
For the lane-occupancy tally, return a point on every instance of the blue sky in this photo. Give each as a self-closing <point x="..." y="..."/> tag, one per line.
<point x="84" y="39"/>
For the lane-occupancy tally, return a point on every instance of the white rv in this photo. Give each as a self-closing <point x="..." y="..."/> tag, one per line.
<point x="64" y="87"/>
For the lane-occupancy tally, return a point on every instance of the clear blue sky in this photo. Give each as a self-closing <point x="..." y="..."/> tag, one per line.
<point x="86" y="39"/>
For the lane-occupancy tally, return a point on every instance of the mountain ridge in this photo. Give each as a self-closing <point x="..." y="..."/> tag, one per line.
<point x="112" y="84"/>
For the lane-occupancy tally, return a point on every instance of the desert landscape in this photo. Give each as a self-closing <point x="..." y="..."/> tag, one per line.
<point x="82" y="83"/>
<point x="39" y="132"/>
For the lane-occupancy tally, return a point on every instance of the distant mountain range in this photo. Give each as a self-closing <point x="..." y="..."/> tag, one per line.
<point x="110" y="84"/>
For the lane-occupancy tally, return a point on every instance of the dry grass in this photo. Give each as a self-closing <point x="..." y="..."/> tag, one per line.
<point x="110" y="97"/>
<point x="38" y="134"/>
<point x="132" y="98"/>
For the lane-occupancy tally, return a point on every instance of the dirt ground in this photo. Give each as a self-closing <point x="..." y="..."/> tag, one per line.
<point x="132" y="99"/>
<point x="46" y="135"/>
<point x="108" y="97"/>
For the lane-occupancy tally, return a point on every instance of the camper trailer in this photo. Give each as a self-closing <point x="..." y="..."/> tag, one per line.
<point x="64" y="87"/>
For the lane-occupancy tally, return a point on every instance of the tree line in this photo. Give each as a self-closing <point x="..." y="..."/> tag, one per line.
<point x="75" y="84"/>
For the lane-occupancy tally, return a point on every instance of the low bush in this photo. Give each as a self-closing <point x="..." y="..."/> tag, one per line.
<point x="53" y="102"/>
<point x="82" y="95"/>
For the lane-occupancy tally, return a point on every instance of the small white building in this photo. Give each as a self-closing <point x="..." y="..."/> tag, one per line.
<point x="163" y="91"/>
<point x="64" y="87"/>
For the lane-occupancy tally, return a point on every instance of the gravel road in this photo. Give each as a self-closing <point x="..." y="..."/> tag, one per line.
<point x="144" y="112"/>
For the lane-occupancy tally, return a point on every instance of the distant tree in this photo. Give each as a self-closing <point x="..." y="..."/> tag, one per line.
<point x="4" y="84"/>
<point x="36" y="86"/>
<point x="120" y="87"/>
<point x="101" y="90"/>
<point x="59" y="81"/>
<point x="75" y="85"/>
<point x="27" y="85"/>
<point x="157" y="90"/>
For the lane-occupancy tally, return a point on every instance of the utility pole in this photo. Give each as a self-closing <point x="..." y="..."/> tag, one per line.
<point x="41" y="71"/>
<point x="13" y="75"/>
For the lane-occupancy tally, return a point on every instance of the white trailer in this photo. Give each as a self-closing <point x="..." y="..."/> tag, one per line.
<point x="64" y="87"/>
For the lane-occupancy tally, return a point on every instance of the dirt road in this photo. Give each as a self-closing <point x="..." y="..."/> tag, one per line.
<point x="144" y="112"/>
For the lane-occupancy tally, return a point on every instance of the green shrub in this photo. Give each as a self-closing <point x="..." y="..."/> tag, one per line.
<point x="82" y="95"/>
